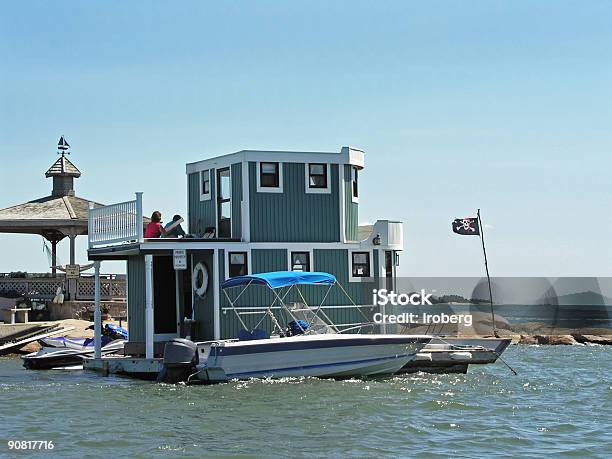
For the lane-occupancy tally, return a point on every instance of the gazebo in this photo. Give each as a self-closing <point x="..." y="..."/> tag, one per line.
<point x="54" y="217"/>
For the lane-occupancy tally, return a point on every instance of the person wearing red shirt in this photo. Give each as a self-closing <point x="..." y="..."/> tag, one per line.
<point x="155" y="228"/>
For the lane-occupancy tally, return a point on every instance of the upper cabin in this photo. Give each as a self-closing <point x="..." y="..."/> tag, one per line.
<point x="276" y="196"/>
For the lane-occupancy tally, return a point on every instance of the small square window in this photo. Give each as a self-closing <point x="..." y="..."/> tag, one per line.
<point x="269" y="175"/>
<point x="317" y="175"/>
<point x="361" y="264"/>
<point x="300" y="261"/>
<point x="238" y="264"/>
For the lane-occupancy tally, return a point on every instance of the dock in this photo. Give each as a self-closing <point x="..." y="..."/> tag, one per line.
<point x="135" y="367"/>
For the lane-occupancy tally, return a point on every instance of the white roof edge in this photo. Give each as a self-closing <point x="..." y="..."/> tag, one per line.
<point x="347" y="155"/>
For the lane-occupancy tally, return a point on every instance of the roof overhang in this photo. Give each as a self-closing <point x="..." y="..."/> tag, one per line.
<point x="347" y="155"/>
<point x="39" y="226"/>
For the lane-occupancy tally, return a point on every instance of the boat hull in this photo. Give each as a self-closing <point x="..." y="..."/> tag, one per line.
<point x="323" y="356"/>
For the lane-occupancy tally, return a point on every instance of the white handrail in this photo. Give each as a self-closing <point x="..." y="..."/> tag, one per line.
<point x="115" y="223"/>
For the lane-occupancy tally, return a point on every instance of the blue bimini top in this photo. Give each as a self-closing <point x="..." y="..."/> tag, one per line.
<point x="278" y="279"/>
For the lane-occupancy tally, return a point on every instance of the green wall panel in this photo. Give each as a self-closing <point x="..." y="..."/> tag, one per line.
<point x="201" y="214"/>
<point x="136" y="298"/>
<point x="333" y="261"/>
<point x="294" y="215"/>
<point x="351" y="208"/>
<point x="204" y="306"/>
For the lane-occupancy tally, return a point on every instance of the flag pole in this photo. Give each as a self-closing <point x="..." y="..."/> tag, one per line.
<point x="484" y="251"/>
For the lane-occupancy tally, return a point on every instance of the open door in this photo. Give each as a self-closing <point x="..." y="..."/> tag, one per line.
<point x="165" y="300"/>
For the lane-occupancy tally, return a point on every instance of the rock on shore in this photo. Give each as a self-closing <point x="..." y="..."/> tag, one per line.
<point x="520" y="333"/>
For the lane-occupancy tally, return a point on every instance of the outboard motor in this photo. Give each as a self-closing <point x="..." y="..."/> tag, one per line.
<point x="180" y="359"/>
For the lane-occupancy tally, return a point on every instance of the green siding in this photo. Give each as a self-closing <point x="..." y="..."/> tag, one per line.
<point x="136" y="298"/>
<point x="263" y="260"/>
<point x="351" y="208"/>
<point x="236" y="173"/>
<point x="333" y="261"/>
<point x="294" y="215"/>
<point x="201" y="213"/>
<point x="203" y="307"/>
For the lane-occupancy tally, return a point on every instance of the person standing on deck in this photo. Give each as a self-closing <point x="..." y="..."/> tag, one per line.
<point x="155" y="228"/>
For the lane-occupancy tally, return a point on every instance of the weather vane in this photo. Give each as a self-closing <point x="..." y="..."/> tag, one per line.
<point x="63" y="146"/>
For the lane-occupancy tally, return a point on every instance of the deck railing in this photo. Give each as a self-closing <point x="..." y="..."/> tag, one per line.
<point x="115" y="223"/>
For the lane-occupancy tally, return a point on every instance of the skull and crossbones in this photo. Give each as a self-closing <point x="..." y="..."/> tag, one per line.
<point x="466" y="223"/>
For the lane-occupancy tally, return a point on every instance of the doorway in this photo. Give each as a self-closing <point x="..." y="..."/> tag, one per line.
<point x="166" y="323"/>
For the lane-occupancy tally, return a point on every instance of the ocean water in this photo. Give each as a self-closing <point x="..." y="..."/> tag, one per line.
<point x="560" y="403"/>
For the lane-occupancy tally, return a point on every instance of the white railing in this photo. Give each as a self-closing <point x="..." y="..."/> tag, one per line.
<point x="116" y="223"/>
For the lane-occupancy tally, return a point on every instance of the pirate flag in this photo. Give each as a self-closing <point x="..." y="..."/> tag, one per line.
<point x="467" y="226"/>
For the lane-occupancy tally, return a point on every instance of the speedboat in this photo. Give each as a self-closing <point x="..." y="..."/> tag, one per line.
<point x="56" y="357"/>
<point x="310" y="345"/>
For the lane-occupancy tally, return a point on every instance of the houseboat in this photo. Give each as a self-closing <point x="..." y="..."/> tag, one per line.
<point x="249" y="212"/>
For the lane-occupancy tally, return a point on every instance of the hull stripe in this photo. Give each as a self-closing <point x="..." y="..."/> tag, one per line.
<point x="308" y="367"/>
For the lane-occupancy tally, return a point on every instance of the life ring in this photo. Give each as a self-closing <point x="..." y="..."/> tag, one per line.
<point x="199" y="279"/>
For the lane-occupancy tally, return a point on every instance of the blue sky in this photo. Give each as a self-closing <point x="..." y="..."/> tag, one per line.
<point x="504" y="106"/>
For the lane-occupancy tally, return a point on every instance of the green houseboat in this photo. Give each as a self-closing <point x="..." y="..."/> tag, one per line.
<point x="248" y="212"/>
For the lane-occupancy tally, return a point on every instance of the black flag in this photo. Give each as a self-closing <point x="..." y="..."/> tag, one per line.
<point x="467" y="226"/>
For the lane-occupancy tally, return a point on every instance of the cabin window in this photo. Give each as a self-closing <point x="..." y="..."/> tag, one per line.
<point x="361" y="264"/>
<point x="317" y="175"/>
<point x="300" y="261"/>
<point x="224" y="203"/>
<point x="269" y="175"/>
<point x="238" y="264"/>
<point x="355" y="183"/>
<point x="205" y="185"/>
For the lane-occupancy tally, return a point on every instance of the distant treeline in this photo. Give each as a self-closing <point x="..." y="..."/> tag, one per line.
<point x="456" y="299"/>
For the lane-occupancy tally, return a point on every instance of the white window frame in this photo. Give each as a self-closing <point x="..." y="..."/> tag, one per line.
<point x="354" y="171"/>
<point x="350" y="266"/>
<point x="237" y="250"/>
<point x="217" y="188"/>
<point x="269" y="189"/>
<point x="308" y="189"/>
<point x="311" y="258"/>
<point x="205" y="196"/>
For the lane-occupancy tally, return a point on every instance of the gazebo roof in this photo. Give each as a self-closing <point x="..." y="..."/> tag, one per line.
<point x="49" y="214"/>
